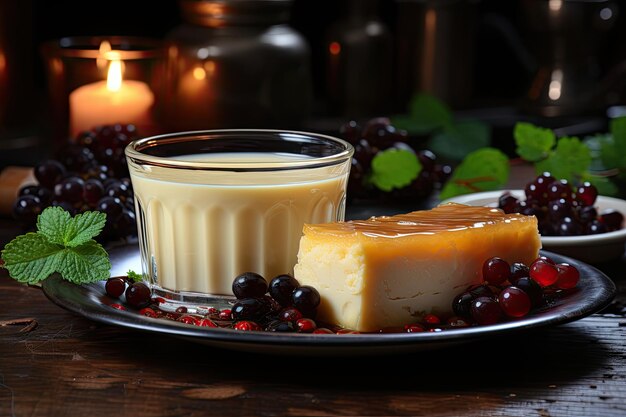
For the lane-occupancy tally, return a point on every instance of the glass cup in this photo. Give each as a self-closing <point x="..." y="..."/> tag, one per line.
<point x="213" y="204"/>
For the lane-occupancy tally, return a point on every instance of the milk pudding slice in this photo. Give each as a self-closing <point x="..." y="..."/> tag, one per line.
<point x="389" y="271"/>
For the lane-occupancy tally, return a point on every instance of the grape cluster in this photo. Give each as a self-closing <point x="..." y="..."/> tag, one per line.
<point x="378" y="135"/>
<point x="512" y="291"/>
<point x="89" y="174"/>
<point x="562" y="209"/>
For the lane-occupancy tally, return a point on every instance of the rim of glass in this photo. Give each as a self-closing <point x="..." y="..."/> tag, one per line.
<point x="133" y="151"/>
<point x="125" y="47"/>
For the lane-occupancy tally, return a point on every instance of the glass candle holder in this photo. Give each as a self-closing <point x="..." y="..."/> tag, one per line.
<point x="95" y="81"/>
<point x="213" y="204"/>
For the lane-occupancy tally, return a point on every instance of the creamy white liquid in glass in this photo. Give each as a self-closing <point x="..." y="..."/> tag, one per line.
<point x="199" y="229"/>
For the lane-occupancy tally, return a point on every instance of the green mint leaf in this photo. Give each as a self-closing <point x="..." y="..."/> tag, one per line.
<point x="394" y="168"/>
<point x="62" y="244"/>
<point x="570" y="160"/>
<point x="52" y="223"/>
<point x="533" y="143"/>
<point x="83" y="227"/>
<point x="482" y="170"/>
<point x="31" y="258"/>
<point x="459" y="139"/>
<point x="133" y="276"/>
<point x="426" y="113"/>
<point x="86" y="263"/>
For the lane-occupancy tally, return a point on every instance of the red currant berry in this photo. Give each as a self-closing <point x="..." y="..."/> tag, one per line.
<point x="544" y="273"/>
<point x="496" y="271"/>
<point x="323" y="330"/>
<point x="188" y="320"/>
<point x="181" y="309"/>
<point x="225" y="314"/>
<point x="568" y="276"/>
<point x="306" y="325"/>
<point x="514" y="302"/>
<point x="431" y="319"/>
<point x="246" y="325"/>
<point x="117" y="306"/>
<point x="414" y="328"/>
<point x="206" y="323"/>
<point x="148" y="312"/>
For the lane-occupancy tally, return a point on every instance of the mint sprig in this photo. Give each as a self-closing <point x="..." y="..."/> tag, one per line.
<point x="134" y="276"/>
<point x="394" y="168"/>
<point x="62" y="244"/>
<point x="482" y="170"/>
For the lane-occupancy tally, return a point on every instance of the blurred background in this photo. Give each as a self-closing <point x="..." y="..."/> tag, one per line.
<point x="317" y="64"/>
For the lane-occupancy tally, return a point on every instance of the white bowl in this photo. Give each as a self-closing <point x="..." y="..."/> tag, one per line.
<point x="587" y="248"/>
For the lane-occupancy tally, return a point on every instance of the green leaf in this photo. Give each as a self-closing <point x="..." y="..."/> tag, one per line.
<point x="52" y="223"/>
<point x="31" y="258"/>
<point x="394" y="168"/>
<point x="83" y="227"/>
<point x="62" y="244"/>
<point x="86" y="263"/>
<point x="458" y="140"/>
<point x="133" y="276"/>
<point x="426" y="113"/>
<point x="569" y="160"/>
<point x="482" y="170"/>
<point x="533" y="142"/>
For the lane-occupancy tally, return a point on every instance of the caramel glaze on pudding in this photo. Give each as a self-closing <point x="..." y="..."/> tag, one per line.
<point x="389" y="271"/>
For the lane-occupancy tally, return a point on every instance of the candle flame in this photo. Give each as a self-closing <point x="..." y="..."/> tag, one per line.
<point x="199" y="73"/>
<point x="101" y="61"/>
<point x="334" y="48"/>
<point x="114" y="76"/>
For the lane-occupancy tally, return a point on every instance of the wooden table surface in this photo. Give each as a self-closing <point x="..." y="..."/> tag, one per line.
<point x="55" y="363"/>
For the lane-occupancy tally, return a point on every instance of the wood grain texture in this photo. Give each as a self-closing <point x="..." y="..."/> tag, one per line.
<point x="70" y="366"/>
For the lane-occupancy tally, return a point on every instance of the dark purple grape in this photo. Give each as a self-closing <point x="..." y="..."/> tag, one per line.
<point x="351" y="132"/>
<point x="249" y="285"/>
<point x="613" y="219"/>
<point x="43" y="194"/>
<point x="111" y="206"/>
<point x="507" y="203"/>
<point x="305" y="298"/>
<point x="70" y="190"/>
<point x="568" y="227"/>
<point x="77" y="158"/>
<point x="586" y="213"/>
<point x="485" y="310"/>
<point x="595" y="227"/>
<point x="518" y="271"/>
<point x="126" y="224"/>
<point x="462" y="303"/>
<point x="138" y="295"/>
<point x="119" y="190"/>
<point x="542" y="182"/>
<point x="441" y="173"/>
<point x="423" y="185"/>
<point x="427" y="159"/>
<point x="280" y="326"/>
<point x="65" y="206"/>
<point x="559" y="190"/>
<point x="49" y="173"/>
<point x="86" y="139"/>
<point x="249" y="309"/>
<point x="281" y="289"/>
<point x="559" y="209"/>
<point x="532" y="288"/>
<point x="586" y="193"/>
<point x="26" y="208"/>
<point x="92" y="191"/>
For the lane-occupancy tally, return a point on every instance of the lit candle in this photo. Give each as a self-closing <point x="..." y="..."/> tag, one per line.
<point x="111" y="101"/>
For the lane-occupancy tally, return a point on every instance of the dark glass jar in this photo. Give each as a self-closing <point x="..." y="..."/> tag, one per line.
<point x="236" y="63"/>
